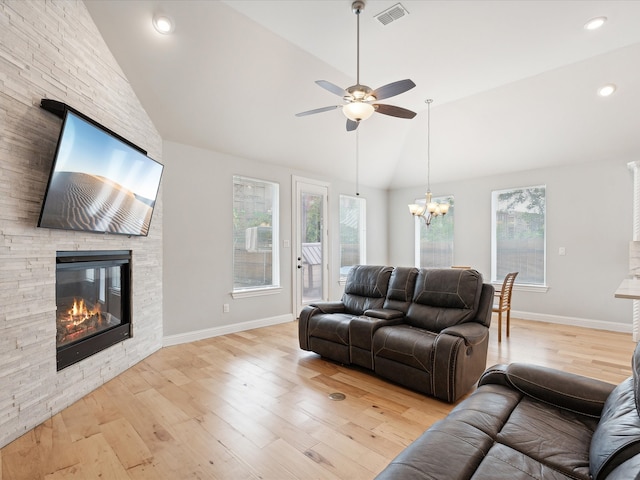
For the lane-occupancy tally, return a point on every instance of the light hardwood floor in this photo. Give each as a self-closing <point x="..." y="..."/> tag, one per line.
<point x="252" y="405"/>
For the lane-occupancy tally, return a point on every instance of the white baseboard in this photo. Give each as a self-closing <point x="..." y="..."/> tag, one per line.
<point x="574" y="321"/>
<point x="265" y="322"/>
<point x="224" y="330"/>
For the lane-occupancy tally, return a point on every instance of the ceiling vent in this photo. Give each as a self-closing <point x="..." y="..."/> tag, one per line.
<point x="392" y="14"/>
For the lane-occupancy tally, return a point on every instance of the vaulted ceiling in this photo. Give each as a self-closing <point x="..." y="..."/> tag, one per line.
<point x="513" y="82"/>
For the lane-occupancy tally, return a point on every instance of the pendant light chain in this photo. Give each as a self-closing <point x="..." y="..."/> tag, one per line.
<point x="429" y="144"/>
<point x="430" y="208"/>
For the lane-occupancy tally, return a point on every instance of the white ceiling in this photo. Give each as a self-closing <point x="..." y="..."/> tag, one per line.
<point x="514" y="82"/>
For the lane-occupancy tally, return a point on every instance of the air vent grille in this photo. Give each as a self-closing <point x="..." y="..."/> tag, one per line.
<point x="392" y="14"/>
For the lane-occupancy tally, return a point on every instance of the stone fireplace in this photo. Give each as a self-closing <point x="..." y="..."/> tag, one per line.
<point x="93" y="303"/>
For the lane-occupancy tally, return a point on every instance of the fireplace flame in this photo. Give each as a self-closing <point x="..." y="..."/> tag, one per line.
<point x="79" y="312"/>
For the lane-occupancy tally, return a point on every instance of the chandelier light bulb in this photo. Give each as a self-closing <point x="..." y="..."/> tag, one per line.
<point x="416" y="209"/>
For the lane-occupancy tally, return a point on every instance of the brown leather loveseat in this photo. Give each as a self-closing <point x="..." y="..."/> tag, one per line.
<point x="526" y="422"/>
<point x="426" y="329"/>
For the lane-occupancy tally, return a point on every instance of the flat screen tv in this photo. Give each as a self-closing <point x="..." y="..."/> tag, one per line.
<point x="98" y="182"/>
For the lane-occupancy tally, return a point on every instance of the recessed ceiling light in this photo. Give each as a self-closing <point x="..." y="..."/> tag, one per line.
<point x="163" y="24"/>
<point x="606" y="90"/>
<point x="595" y="23"/>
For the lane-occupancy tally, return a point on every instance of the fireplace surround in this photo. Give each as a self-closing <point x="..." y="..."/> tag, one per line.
<point x="93" y="303"/>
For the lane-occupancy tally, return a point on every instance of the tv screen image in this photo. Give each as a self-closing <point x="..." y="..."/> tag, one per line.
<point x="99" y="183"/>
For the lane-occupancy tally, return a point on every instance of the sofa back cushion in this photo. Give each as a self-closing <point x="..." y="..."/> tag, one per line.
<point x="444" y="297"/>
<point x="366" y="288"/>
<point x="617" y="436"/>
<point x="401" y="287"/>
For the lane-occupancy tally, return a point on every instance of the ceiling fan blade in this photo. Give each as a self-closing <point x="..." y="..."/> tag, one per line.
<point x="394" y="111"/>
<point x="317" y="110"/>
<point x="393" y="89"/>
<point x="332" y="88"/>
<point x="351" y="125"/>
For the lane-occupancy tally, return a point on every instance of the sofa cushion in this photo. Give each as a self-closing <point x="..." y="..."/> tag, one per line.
<point x="505" y="463"/>
<point x="554" y="437"/>
<point x="405" y="345"/>
<point x="401" y="287"/>
<point x="446" y="450"/>
<point x="331" y="326"/>
<point x="366" y="288"/>
<point x="444" y="297"/>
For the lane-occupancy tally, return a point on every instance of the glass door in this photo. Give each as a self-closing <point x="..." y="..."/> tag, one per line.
<point x="310" y="249"/>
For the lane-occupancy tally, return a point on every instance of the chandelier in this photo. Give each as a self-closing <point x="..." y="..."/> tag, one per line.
<point x="430" y="208"/>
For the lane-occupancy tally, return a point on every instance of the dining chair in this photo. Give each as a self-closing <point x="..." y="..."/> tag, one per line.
<point x="503" y="304"/>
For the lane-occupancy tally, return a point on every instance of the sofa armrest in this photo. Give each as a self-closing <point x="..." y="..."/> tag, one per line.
<point x="384" y="313"/>
<point x="485" y="307"/>
<point x="303" y="325"/>
<point x="457" y="362"/>
<point x="309" y="311"/>
<point x="496" y="375"/>
<point x="329" y="307"/>
<point x="473" y="333"/>
<point x="565" y="390"/>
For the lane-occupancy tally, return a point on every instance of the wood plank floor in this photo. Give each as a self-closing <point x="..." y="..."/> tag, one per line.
<point x="252" y="405"/>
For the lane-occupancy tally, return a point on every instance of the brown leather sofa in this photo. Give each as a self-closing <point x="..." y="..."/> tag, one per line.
<point x="426" y="329"/>
<point x="527" y="422"/>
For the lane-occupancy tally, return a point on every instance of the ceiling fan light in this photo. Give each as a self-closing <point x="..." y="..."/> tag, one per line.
<point x="358" y="111"/>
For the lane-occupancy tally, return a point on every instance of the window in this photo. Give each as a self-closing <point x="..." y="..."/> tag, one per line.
<point x="352" y="233"/>
<point x="434" y="245"/>
<point x="518" y="239"/>
<point x="255" y="234"/>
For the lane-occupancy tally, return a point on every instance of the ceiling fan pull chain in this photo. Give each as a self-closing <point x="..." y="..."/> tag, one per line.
<point x="357" y="163"/>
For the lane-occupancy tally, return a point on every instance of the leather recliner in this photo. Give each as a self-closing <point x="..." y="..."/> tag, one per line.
<point x="426" y="329"/>
<point x="529" y="422"/>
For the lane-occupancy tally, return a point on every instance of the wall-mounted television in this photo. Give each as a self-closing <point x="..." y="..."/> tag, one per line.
<point x="99" y="182"/>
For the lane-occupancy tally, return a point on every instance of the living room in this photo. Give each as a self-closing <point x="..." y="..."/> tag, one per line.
<point x="182" y="270"/>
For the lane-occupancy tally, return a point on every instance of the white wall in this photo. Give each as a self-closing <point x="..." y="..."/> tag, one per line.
<point x="198" y="275"/>
<point x="589" y="212"/>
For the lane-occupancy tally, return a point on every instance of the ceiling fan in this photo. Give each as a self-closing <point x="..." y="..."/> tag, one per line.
<point x="360" y="98"/>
